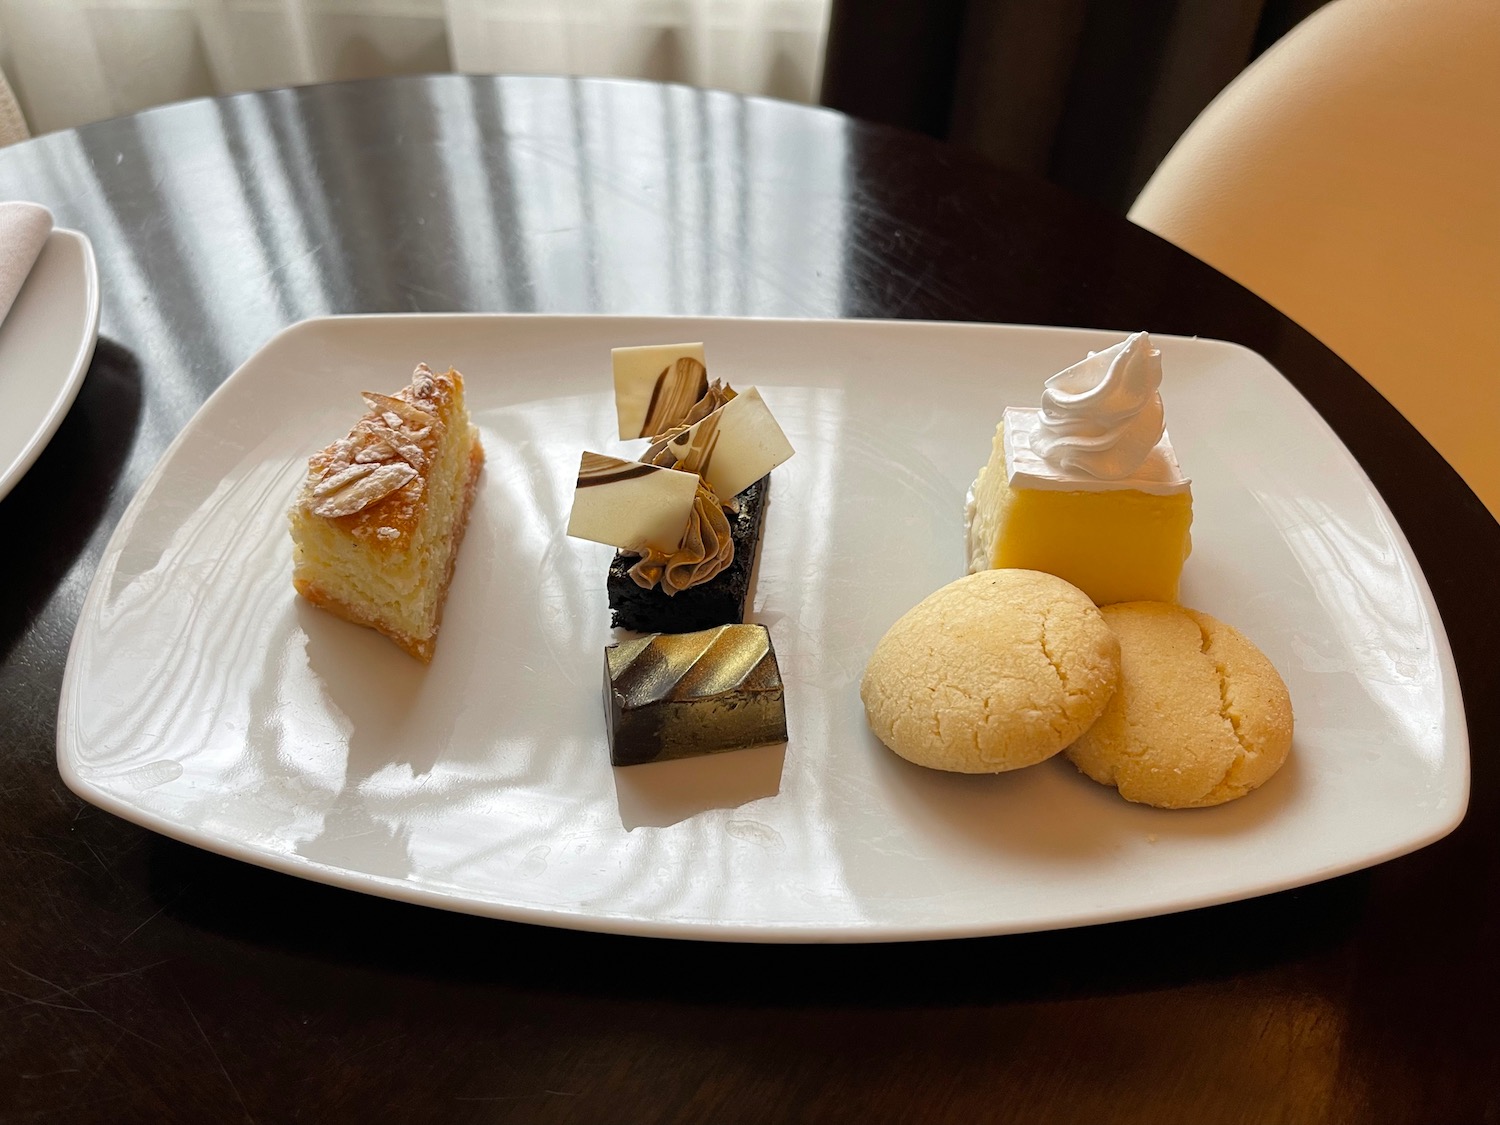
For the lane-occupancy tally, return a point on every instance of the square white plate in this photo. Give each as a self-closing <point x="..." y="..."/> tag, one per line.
<point x="205" y="701"/>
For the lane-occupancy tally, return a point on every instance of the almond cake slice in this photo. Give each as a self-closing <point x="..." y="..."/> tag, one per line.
<point x="377" y="524"/>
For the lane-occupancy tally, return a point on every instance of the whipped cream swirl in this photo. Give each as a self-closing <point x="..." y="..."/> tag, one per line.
<point x="1103" y="416"/>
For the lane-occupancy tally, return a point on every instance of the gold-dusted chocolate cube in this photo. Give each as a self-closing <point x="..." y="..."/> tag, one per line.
<point x="680" y="695"/>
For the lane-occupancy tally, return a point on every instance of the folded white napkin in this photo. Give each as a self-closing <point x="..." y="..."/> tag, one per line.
<point x="24" y="228"/>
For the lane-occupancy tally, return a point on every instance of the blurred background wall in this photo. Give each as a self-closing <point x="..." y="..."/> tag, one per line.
<point x="1087" y="93"/>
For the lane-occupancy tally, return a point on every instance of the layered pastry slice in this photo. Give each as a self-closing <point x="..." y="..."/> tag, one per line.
<point x="377" y="524"/>
<point x="1088" y="486"/>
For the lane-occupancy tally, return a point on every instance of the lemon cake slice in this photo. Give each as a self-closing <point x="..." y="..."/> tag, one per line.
<point x="1088" y="486"/>
<point x="377" y="524"/>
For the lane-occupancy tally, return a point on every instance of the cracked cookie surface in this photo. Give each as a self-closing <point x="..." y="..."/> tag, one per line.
<point x="996" y="671"/>
<point x="1201" y="716"/>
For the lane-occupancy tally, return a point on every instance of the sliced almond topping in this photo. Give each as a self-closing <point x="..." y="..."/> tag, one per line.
<point x="371" y="484"/>
<point x="337" y="480"/>
<point x="385" y="405"/>
<point x="377" y="452"/>
<point x="423" y="381"/>
<point x="398" y="446"/>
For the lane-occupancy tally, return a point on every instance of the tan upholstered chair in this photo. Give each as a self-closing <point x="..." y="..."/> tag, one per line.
<point x="12" y="124"/>
<point x="1351" y="177"/>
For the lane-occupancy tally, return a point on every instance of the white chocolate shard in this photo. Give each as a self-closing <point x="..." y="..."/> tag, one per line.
<point x="655" y="388"/>
<point x="631" y="505"/>
<point x="734" y="446"/>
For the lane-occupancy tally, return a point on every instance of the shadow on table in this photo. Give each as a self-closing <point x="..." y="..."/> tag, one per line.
<point x="56" y="507"/>
<point x="283" y="914"/>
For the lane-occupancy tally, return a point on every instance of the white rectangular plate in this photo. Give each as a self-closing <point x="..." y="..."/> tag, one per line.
<point x="204" y="700"/>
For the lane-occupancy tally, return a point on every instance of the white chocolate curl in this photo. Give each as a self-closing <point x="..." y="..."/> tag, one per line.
<point x="1103" y="416"/>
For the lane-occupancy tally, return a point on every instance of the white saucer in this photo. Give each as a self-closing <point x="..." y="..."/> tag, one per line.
<point x="46" y="343"/>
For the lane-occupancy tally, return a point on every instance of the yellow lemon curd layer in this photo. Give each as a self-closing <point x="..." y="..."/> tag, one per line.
<point x="1116" y="545"/>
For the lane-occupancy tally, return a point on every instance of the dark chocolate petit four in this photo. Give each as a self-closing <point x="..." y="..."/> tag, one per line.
<point x="680" y="695"/>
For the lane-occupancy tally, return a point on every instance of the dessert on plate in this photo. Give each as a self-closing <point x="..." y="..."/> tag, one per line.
<point x="680" y="695"/>
<point x="378" y="521"/>
<point x="686" y="521"/>
<point x="1065" y="636"/>
<point x="1087" y="486"/>
<point x="1201" y="716"/>
<point x="994" y="672"/>
<point x="694" y="574"/>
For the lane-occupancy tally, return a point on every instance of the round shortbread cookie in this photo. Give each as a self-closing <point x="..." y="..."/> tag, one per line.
<point x="1201" y="717"/>
<point x="996" y="671"/>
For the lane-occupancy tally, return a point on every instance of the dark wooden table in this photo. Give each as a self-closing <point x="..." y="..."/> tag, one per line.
<point x="144" y="980"/>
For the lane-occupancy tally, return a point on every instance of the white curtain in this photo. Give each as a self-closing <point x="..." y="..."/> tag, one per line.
<point x="74" y="61"/>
